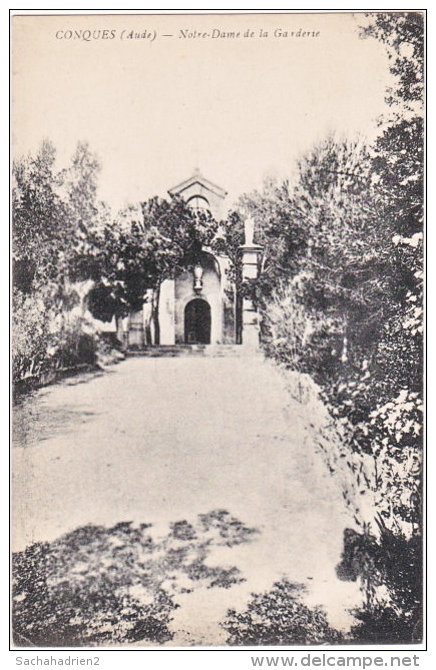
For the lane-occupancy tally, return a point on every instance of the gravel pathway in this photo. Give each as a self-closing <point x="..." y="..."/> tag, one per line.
<point x="161" y="440"/>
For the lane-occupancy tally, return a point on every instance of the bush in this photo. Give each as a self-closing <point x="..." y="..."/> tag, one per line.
<point x="371" y="432"/>
<point x="279" y="617"/>
<point x="394" y="562"/>
<point x="47" y="337"/>
<point x="106" y="585"/>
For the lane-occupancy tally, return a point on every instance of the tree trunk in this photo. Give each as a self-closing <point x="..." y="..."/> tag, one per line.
<point x="238" y="318"/>
<point x="147" y="311"/>
<point x="156" y="296"/>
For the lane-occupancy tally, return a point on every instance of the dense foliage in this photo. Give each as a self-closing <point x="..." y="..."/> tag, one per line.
<point x="279" y="617"/>
<point x="340" y="296"/>
<point x="53" y="212"/>
<point x="120" y="584"/>
<point x="136" y="257"/>
<point x="341" y="299"/>
<point x="75" y="262"/>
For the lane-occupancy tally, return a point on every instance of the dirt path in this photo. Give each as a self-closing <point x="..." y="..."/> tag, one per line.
<point x="163" y="440"/>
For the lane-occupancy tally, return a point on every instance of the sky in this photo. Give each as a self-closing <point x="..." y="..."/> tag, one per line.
<point x="154" y="110"/>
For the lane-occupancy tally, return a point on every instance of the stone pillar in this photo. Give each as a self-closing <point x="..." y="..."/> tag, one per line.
<point x="166" y="312"/>
<point x="136" y="329"/>
<point x="250" y="270"/>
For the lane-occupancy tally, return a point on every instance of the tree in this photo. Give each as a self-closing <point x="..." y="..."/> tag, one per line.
<point x="228" y="241"/>
<point x="399" y="149"/>
<point x="402" y="33"/>
<point x="39" y="239"/>
<point x="326" y="230"/>
<point x="341" y="298"/>
<point x="176" y="235"/>
<point x="136" y="254"/>
<point x="282" y="241"/>
<point x="53" y="214"/>
<point x="80" y="186"/>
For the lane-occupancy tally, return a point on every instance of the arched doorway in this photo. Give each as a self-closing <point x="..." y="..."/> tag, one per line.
<point x="197" y="322"/>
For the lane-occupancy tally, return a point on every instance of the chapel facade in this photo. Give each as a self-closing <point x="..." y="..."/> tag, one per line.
<point x="199" y="306"/>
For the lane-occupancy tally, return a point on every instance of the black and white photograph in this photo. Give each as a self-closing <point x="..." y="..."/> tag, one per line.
<point x="217" y="329"/>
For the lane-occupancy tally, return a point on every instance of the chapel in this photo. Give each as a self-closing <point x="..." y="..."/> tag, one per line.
<point x="199" y="306"/>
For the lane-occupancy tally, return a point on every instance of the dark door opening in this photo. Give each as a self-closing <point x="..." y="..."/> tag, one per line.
<point x="197" y="322"/>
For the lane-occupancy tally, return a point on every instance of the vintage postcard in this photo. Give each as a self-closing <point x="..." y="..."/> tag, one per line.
<point x="217" y="329"/>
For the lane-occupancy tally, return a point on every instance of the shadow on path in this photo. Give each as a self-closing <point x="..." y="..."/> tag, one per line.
<point x="97" y="585"/>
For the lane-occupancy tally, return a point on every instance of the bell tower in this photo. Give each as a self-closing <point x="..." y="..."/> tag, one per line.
<point x="201" y="194"/>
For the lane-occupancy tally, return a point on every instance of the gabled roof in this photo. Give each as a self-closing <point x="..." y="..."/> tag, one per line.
<point x="197" y="178"/>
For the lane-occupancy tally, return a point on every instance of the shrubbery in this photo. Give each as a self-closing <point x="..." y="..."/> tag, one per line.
<point x="121" y="584"/>
<point x="279" y="617"/>
<point x="341" y="299"/>
<point x="71" y="256"/>
<point x="46" y="339"/>
<point x="53" y="212"/>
